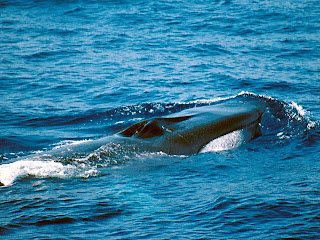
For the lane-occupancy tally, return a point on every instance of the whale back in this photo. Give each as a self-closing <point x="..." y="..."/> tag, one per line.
<point x="188" y="131"/>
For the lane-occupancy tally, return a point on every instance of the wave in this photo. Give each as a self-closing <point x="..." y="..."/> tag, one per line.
<point x="281" y="123"/>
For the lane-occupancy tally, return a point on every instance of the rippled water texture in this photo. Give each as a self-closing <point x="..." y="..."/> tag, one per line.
<point x="72" y="72"/>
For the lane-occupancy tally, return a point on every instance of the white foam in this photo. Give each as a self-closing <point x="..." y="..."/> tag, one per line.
<point x="70" y="142"/>
<point x="208" y="101"/>
<point x="11" y="171"/>
<point x="226" y="142"/>
<point x="266" y="97"/>
<point x="298" y="108"/>
<point x="300" y="114"/>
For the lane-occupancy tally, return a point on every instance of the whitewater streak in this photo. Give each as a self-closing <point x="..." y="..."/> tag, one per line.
<point x="41" y="169"/>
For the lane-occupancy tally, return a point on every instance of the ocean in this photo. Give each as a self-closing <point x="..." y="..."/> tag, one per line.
<point x="72" y="72"/>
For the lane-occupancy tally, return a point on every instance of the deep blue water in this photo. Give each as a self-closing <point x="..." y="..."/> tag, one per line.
<point x="73" y="71"/>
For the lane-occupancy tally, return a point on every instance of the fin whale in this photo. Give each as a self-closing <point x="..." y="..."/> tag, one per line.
<point x="188" y="131"/>
<point x="185" y="132"/>
<point x="182" y="133"/>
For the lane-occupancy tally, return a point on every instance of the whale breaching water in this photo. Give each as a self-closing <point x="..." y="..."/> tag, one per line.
<point x="186" y="132"/>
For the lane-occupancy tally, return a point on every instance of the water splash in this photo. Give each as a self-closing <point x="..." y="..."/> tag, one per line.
<point x="42" y="169"/>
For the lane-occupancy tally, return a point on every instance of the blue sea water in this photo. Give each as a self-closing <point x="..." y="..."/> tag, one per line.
<point x="74" y="71"/>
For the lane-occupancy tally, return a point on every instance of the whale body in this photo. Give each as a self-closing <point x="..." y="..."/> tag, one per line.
<point x="187" y="132"/>
<point x="182" y="133"/>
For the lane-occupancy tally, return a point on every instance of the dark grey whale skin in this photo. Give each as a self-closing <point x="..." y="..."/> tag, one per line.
<point x="188" y="131"/>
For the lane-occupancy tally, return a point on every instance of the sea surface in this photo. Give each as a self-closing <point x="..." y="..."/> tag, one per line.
<point x="76" y="71"/>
